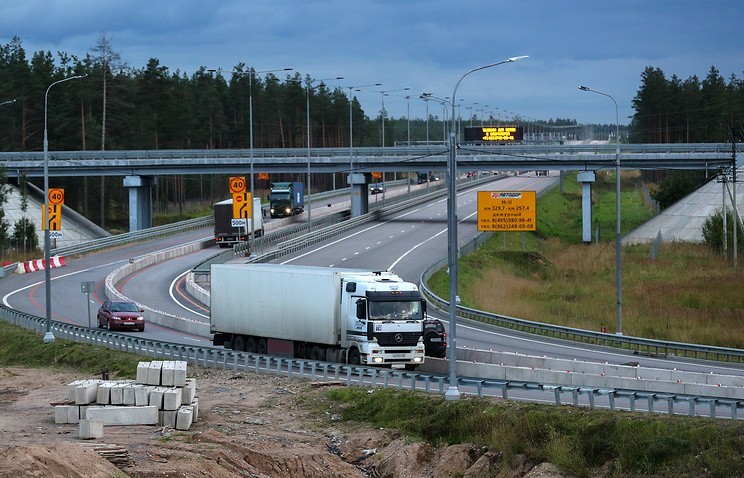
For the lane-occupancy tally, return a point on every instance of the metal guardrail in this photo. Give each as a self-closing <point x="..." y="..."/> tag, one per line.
<point x="225" y="359"/>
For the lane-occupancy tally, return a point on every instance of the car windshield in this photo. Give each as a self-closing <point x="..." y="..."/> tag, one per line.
<point x="124" y="307"/>
<point x="403" y="310"/>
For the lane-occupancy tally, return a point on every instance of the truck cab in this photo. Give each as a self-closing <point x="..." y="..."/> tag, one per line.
<point x="286" y="199"/>
<point x="384" y="321"/>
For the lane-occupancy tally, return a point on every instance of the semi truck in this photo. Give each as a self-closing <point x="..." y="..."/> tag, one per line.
<point x="286" y="199"/>
<point x="319" y="313"/>
<point x="226" y="233"/>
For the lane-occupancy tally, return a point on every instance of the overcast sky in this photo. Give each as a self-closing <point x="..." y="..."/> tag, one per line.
<point x="424" y="45"/>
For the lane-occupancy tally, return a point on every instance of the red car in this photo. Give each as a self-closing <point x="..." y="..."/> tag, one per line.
<point x="121" y="314"/>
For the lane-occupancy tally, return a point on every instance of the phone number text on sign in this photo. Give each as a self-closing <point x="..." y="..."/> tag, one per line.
<point x="507" y="211"/>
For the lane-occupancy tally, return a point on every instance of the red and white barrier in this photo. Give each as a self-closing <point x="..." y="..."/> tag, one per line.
<point x="38" y="264"/>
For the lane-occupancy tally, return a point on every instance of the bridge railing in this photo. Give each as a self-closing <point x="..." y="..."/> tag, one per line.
<point x="388" y="151"/>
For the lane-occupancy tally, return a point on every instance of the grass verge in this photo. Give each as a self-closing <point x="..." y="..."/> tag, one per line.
<point x="579" y="441"/>
<point x="688" y="293"/>
<point x="24" y="348"/>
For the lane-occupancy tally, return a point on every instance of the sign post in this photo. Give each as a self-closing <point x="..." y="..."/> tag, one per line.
<point x="87" y="288"/>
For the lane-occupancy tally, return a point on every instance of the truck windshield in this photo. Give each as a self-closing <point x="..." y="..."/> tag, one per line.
<point x="280" y="196"/>
<point x="404" y="310"/>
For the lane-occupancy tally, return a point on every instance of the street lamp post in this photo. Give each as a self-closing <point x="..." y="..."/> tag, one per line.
<point x="49" y="336"/>
<point x="383" y="94"/>
<point x="618" y="245"/>
<point x="351" y="138"/>
<point x="307" y="97"/>
<point x="452" y="392"/>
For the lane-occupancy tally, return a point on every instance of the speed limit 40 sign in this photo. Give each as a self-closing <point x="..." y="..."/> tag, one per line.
<point x="237" y="184"/>
<point x="56" y="196"/>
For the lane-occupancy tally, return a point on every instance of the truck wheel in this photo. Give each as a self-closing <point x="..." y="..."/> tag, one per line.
<point x="316" y="354"/>
<point x="262" y="348"/>
<point x="250" y="345"/>
<point x="354" y="357"/>
<point x="239" y="343"/>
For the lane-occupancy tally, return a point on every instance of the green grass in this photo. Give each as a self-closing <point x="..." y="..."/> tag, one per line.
<point x="687" y="294"/>
<point x="578" y="441"/>
<point x="23" y="348"/>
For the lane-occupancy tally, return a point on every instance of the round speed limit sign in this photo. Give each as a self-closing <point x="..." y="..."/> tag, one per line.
<point x="56" y="196"/>
<point x="237" y="184"/>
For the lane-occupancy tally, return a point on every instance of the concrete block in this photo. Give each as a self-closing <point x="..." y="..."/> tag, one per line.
<point x="654" y="374"/>
<point x="188" y="391"/>
<point x="130" y="393"/>
<point x="86" y="392"/>
<point x="179" y="373"/>
<point x="143" y="370"/>
<point x="153" y="373"/>
<point x="103" y="394"/>
<point x="142" y="395"/>
<point x="156" y="397"/>
<point x="73" y="414"/>
<point x="173" y="373"/>
<point x="60" y="414"/>
<point x="71" y="388"/>
<point x="167" y="418"/>
<point x="195" y="408"/>
<point x="124" y="415"/>
<point x="185" y="418"/>
<point x="172" y="398"/>
<point x="117" y="394"/>
<point x="89" y="429"/>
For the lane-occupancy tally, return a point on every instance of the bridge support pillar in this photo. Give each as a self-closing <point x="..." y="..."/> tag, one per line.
<point x="586" y="178"/>
<point x="140" y="201"/>
<point x="359" y="195"/>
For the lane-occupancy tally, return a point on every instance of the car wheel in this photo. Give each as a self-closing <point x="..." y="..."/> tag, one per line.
<point x="142" y="329"/>
<point x="100" y="324"/>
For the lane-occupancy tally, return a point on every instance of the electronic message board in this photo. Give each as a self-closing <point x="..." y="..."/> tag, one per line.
<point x="493" y="134"/>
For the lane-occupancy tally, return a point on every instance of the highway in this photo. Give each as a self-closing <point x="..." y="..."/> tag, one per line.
<point x="407" y="243"/>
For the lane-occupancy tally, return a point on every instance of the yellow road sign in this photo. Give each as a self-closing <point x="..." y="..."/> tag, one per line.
<point x="242" y="206"/>
<point x="507" y="211"/>
<point x="55" y="218"/>
<point x="237" y="184"/>
<point x="56" y="196"/>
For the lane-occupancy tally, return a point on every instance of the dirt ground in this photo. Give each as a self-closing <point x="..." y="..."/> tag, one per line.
<point x="249" y="425"/>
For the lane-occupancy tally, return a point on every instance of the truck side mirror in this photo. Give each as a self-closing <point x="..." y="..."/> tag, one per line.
<point x="361" y="309"/>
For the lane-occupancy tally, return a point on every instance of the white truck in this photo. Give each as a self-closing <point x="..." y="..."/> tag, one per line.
<point x="338" y="315"/>
<point x="229" y="231"/>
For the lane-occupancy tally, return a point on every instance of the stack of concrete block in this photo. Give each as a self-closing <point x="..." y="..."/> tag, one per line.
<point x="161" y="395"/>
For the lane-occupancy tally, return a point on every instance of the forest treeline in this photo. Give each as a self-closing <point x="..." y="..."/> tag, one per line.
<point x="116" y="106"/>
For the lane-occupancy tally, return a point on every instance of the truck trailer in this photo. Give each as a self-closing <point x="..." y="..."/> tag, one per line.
<point x="286" y="199"/>
<point x="318" y="313"/>
<point x="226" y="233"/>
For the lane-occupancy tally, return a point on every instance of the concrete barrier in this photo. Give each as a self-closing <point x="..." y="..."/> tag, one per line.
<point x="165" y="319"/>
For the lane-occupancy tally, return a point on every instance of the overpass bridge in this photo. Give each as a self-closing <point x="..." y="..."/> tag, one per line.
<point x="140" y="167"/>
